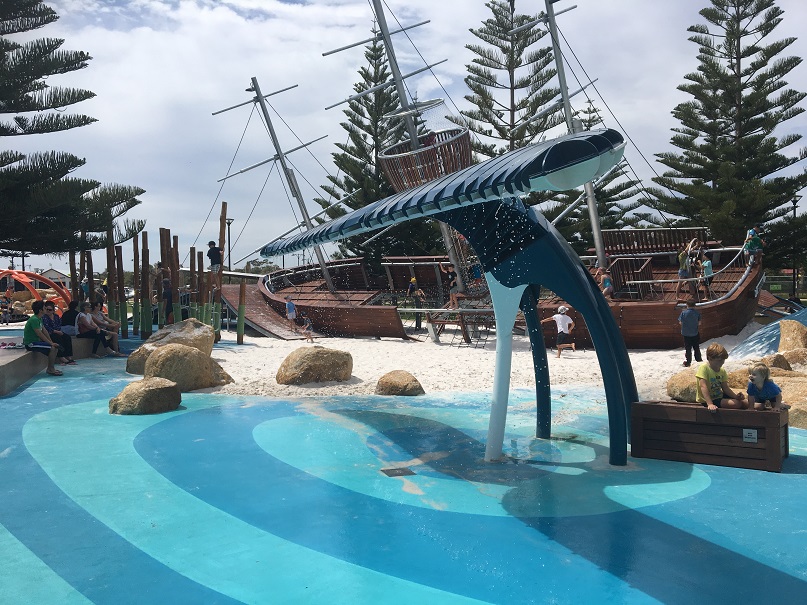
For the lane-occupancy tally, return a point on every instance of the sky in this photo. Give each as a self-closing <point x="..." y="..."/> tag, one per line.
<point x="160" y="69"/>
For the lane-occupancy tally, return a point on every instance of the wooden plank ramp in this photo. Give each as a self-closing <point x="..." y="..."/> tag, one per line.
<point x="259" y="316"/>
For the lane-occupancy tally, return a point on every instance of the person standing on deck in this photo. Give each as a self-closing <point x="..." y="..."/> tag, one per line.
<point x="214" y="254"/>
<point x="706" y="270"/>
<point x="453" y="286"/>
<point x="683" y="269"/>
<point x="291" y="314"/>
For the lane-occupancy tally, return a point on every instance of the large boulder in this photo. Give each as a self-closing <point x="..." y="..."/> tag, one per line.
<point x="681" y="386"/>
<point x="796" y="357"/>
<point x="147" y="396"/>
<point x="190" y="332"/>
<point x="398" y="382"/>
<point x="315" y="364"/>
<point x="792" y="335"/>
<point x="776" y="360"/>
<point x="189" y="368"/>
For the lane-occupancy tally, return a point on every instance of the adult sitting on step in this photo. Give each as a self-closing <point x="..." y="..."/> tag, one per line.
<point x="104" y="321"/>
<point x="87" y="328"/>
<point x="35" y="338"/>
<point x="53" y="325"/>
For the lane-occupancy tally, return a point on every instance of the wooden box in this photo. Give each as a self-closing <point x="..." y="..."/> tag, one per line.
<point x="690" y="433"/>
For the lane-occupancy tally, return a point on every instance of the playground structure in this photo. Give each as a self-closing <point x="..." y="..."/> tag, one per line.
<point x="520" y="252"/>
<point x="26" y="279"/>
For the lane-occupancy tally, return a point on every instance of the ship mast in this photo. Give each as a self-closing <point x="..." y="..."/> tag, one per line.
<point x="291" y="180"/>
<point x="575" y="125"/>
<point x="411" y="127"/>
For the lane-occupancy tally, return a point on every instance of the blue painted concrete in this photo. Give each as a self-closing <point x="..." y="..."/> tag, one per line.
<point x="260" y="500"/>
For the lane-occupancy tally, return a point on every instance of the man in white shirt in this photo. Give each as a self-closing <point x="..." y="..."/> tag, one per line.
<point x="565" y="326"/>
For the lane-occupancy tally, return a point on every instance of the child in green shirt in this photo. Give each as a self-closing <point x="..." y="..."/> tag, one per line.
<point x="712" y="382"/>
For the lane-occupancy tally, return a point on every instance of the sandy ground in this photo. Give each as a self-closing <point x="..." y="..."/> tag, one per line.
<point x="438" y="367"/>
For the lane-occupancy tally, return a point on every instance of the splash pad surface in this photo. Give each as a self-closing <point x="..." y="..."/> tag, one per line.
<point x="371" y="499"/>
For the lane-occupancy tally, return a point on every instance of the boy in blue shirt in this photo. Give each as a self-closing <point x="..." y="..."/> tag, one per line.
<point x="690" y="319"/>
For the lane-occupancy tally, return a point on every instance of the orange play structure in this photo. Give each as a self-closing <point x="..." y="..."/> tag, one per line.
<point x="26" y="278"/>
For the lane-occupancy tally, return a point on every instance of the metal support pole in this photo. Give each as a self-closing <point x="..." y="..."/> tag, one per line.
<point x="411" y="128"/>
<point x="229" y="246"/>
<point x="295" y="188"/>
<point x="575" y="126"/>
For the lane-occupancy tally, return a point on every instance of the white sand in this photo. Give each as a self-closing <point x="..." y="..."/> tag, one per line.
<point x="438" y="367"/>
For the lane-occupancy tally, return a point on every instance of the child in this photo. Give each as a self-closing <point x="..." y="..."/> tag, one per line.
<point x="764" y="393"/>
<point x="690" y="320"/>
<point x="308" y="328"/>
<point x="565" y="326"/>
<point x="606" y="285"/>
<point x="712" y="386"/>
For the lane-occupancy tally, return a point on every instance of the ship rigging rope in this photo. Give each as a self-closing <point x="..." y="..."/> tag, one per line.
<point x="594" y="86"/>
<point x="260" y="193"/>
<point x="405" y="33"/>
<point x="218" y="195"/>
<point x="316" y="159"/>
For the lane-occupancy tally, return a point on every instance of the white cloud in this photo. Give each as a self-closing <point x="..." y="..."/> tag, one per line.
<point x="161" y="68"/>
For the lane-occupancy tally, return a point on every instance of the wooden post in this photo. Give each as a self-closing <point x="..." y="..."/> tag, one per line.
<point x="193" y="295"/>
<point x="136" y="289"/>
<point x="74" y="278"/>
<point x="90" y="277"/>
<point x="124" y="304"/>
<point x="159" y="281"/>
<point x="176" y="279"/>
<point x="145" y="292"/>
<point x="204" y="303"/>
<point x="111" y="292"/>
<point x="82" y="259"/>
<point x="242" y="311"/>
<point x="217" y="293"/>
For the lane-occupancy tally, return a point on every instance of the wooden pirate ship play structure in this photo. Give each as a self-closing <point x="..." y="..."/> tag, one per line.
<point x="342" y="299"/>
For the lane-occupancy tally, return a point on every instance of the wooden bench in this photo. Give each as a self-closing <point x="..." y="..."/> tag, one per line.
<point x="688" y="432"/>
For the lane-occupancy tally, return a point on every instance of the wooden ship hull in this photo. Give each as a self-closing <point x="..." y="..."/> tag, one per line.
<point x="647" y="317"/>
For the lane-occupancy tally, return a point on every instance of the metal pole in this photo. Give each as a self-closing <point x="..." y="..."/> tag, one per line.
<point x="295" y="189"/>
<point x="411" y="128"/>
<point x="229" y="246"/>
<point x="575" y="126"/>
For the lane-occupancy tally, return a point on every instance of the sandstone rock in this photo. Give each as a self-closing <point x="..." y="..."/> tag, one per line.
<point x="798" y="417"/>
<point x="190" y="332"/>
<point x="796" y="357"/>
<point x="188" y="367"/>
<point x="315" y="364"/>
<point x="21" y="296"/>
<point x="147" y="396"/>
<point x="793" y="335"/>
<point x="136" y="362"/>
<point x="776" y="360"/>
<point x="399" y="382"/>
<point x="681" y="386"/>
